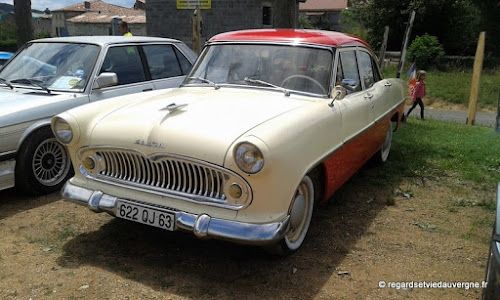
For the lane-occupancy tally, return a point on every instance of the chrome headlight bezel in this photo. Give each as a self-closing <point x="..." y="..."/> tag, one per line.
<point x="248" y="158"/>
<point x="62" y="130"/>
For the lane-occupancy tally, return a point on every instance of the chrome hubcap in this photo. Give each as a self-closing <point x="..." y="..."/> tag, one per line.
<point x="300" y="214"/>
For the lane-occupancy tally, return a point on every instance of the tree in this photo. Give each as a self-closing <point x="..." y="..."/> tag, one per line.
<point x="425" y="51"/>
<point x="22" y="11"/>
<point x="453" y="22"/>
<point x="490" y="22"/>
<point x="286" y="14"/>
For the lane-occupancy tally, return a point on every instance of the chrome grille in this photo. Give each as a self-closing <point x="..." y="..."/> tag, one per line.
<point x="170" y="175"/>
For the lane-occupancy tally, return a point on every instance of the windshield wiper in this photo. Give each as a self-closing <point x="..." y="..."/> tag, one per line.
<point x="2" y="80"/>
<point x="34" y="82"/>
<point x="215" y="85"/>
<point x="261" y="82"/>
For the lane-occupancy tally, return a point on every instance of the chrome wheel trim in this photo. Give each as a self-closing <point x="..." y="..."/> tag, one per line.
<point x="302" y="219"/>
<point x="50" y="163"/>
<point x="386" y="147"/>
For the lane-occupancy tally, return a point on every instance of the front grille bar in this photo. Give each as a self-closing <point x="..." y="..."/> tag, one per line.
<point x="169" y="173"/>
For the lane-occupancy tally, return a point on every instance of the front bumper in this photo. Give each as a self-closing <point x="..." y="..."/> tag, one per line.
<point x="201" y="225"/>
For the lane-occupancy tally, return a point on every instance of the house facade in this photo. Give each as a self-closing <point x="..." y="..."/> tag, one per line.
<point x="324" y="14"/>
<point x="95" y="17"/>
<point x="172" y="18"/>
<point x="42" y="23"/>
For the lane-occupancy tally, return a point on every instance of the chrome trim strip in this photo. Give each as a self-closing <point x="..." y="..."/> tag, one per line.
<point x="201" y="225"/>
<point x="352" y="138"/>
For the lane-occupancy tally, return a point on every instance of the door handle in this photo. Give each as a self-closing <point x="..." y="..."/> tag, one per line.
<point x="147" y="90"/>
<point x="368" y="96"/>
<point x="387" y="84"/>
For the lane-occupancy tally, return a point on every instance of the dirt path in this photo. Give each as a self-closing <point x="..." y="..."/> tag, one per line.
<point x="52" y="249"/>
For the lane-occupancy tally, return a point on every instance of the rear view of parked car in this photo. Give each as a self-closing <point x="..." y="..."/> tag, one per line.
<point x="49" y="76"/>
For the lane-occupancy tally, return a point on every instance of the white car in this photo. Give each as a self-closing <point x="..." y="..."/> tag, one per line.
<point x="49" y="76"/>
<point x="267" y="124"/>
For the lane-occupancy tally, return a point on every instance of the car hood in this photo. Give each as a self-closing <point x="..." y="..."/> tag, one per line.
<point x="21" y="105"/>
<point x="204" y="125"/>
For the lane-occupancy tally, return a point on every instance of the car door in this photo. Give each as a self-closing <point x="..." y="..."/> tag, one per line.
<point x="166" y="64"/>
<point x="373" y="89"/>
<point x="355" y="106"/>
<point x="126" y="62"/>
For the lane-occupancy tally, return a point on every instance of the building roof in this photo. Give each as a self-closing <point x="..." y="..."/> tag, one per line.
<point x="99" y="6"/>
<point x="102" y="12"/>
<point x="296" y="36"/>
<point x="323" y="5"/>
<point x="96" y="17"/>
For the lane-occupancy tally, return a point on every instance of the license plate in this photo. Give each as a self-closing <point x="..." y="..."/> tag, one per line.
<point x="146" y="215"/>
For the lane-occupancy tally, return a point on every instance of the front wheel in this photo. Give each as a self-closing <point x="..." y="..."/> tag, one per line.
<point x="43" y="164"/>
<point x="383" y="153"/>
<point x="300" y="218"/>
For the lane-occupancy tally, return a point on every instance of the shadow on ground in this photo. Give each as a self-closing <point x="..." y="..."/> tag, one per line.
<point x="13" y="201"/>
<point x="181" y="264"/>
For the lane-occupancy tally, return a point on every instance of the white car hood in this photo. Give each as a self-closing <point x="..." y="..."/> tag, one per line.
<point x="204" y="128"/>
<point x="20" y="105"/>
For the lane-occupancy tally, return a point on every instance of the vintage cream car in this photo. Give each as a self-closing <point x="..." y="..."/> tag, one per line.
<point x="267" y="124"/>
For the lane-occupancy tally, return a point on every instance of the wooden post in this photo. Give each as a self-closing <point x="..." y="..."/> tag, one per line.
<point x="497" y="128"/>
<point x="196" y="26"/>
<point x="384" y="46"/>
<point x="476" y="76"/>
<point x="405" y="44"/>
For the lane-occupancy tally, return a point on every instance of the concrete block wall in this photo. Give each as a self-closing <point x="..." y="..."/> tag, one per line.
<point x="165" y="20"/>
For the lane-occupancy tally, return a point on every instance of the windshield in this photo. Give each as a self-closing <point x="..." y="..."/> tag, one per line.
<point x="52" y="66"/>
<point x="295" y="68"/>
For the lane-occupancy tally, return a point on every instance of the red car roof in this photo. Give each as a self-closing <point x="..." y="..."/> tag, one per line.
<point x="304" y="36"/>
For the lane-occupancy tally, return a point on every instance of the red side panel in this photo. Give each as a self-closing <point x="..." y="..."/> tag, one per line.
<point x="342" y="164"/>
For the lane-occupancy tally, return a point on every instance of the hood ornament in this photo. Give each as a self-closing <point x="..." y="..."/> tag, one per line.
<point x="173" y="107"/>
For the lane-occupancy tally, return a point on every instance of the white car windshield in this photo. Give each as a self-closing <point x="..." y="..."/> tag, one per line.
<point x="294" y="68"/>
<point x="51" y="66"/>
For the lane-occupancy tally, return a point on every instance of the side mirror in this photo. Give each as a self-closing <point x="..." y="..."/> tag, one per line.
<point x="338" y="93"/>
<point x="349" y="84"/>
<point x="105" y="79"/>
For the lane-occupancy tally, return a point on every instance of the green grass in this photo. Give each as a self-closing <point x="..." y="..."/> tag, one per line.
<point x="436" y="149"/>
<point x="454" y="86"/>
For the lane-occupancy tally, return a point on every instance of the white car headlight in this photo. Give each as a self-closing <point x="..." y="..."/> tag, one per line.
<point x="62" y="130"/>
<point x="249" y="158"/>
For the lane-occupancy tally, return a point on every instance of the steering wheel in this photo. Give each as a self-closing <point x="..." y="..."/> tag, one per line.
<point x="304" y="77"/>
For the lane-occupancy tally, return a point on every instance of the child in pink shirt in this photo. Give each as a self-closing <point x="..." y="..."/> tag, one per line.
<point x="418" y="93"/>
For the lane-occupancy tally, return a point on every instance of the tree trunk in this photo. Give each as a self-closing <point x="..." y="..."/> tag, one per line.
<point x="286" y="14"/>
<point x="22" y="11"/>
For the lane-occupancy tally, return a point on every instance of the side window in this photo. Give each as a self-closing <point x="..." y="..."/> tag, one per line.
<point x="126" y="62"/>
<point x="366" y="69"/>
<point x="340" y="73"/>
<point x="162" y="61"/>
<point x="350" y="78"/>
<point x="185" y="64"/>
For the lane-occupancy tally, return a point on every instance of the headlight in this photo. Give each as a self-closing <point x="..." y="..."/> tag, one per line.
<point x="249" y="158"/>
<point x="62" y="130"/>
